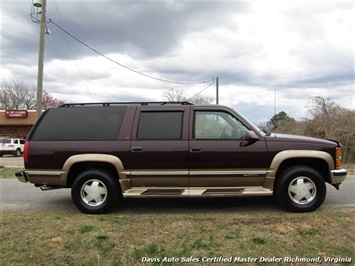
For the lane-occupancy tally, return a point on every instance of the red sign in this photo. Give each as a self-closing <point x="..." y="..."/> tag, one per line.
<point x="16" y="113"/>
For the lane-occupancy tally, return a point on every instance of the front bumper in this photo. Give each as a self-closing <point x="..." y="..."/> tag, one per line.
<point x="21" y="176"/>
<point x="338" y="176"/>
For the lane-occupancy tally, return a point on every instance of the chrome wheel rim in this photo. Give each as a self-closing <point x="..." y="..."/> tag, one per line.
<point x="302" y="190"/>
<point x="93" y="192"/>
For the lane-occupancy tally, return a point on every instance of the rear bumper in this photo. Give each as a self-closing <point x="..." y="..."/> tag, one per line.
<point x="21" y="176"/>
<point x="338" y="176"/>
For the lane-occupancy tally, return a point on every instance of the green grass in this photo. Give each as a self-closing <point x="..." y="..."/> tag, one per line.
<point x="9" y="172"/>
<point x="72" y="238"/>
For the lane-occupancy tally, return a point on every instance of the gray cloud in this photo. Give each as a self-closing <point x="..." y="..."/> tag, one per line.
<point x="259" y="46"/>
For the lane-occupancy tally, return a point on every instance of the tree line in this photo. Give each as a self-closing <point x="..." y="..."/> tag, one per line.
<point x="16" y="95"/>
<point x="327" y="120"/>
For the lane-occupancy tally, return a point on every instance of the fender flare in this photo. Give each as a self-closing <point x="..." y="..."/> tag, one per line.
<point x="94" y="157"/>
<point x="294" y="154"/>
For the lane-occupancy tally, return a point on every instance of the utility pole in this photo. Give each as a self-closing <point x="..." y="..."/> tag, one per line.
<point x="41" y="60"/>
<point x="275" y="101"/>
<point x="217" y="90"/>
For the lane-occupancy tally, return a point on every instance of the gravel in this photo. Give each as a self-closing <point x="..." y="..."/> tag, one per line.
<point x="10" y="161"/>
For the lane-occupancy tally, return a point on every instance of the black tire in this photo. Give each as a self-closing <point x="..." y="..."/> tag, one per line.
<point x="18" y="153"/>
<point x="300" y="189"/>
<point x="95" y="191"/>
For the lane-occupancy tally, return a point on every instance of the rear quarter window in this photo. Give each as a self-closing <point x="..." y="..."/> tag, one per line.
<point x="81" y="123"/>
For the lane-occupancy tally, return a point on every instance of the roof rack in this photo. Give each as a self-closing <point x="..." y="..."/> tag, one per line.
<point x="122" y="103"/>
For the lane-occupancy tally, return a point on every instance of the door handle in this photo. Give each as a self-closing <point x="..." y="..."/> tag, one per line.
<point x="136" y="149"/>
<point x="195" y="149"/>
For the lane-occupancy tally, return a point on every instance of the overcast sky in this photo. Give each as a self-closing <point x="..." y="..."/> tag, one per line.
<point x="262" y="51"/>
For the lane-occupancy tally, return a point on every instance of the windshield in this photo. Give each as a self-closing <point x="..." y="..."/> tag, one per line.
<point x="5" y="140"/>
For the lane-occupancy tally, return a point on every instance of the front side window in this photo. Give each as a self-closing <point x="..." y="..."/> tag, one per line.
<point x="160" y="125"/>
<point x="218" y="125"/>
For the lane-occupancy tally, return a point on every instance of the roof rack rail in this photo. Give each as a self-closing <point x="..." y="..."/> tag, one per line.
<point x="122" y="103"/>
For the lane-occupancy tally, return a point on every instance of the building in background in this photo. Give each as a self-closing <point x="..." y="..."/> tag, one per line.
<point x="16" y="123"/>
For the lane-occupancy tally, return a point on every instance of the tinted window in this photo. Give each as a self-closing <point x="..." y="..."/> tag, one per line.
<point x="160" y="125"/>
<point x="218" y="125"/>
<point x="81" y="123"/>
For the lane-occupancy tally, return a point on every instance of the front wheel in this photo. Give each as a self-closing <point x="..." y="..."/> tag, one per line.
<point x="95" y="191"/>
<point x="300" y="189"/>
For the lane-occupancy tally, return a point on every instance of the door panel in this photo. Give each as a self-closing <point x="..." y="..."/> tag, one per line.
<point x="159" y="163"/>
<point x="159" y="148"/>
<point x="220" y="157"/>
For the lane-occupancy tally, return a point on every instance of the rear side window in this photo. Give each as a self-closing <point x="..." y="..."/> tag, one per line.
<point x="160" y="125"/>
<point x="82" y="123"/>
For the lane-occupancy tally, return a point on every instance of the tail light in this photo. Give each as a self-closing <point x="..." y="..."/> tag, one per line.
<point x="338" y="157"/>
<point x="25" y="151"/>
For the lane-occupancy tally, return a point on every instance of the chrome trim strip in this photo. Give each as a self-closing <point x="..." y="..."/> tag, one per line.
<point x="233" y="173"/>
<point x="196" y="173"/>
<point x="178" y="173"/>
<point x="43" y="174"/>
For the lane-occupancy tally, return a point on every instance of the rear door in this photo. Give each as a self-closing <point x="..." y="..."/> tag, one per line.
<point x="159" y="147"/>
<point x="219" y="155"/>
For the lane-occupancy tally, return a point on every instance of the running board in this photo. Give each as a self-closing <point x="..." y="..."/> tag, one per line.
<point x="167" y="192"/>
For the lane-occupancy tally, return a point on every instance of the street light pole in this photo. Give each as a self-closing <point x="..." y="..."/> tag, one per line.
<point x="41" y="60"/>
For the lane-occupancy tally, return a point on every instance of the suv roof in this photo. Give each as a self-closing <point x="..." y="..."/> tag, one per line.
<point x="122" y="103"/>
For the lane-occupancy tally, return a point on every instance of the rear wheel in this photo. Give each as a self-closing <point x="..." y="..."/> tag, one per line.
<point x="95" y="191"/>
<point x="18" y="153"/>
<point x="300" y="189"/>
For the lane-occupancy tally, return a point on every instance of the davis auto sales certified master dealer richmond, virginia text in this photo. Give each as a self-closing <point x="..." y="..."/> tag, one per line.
<point x="232" y="259"/>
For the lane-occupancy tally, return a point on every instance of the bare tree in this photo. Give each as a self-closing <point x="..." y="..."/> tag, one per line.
<point x="16" y="95"/>
<point x="179" y="95"/>
<point x="328" y="121"/>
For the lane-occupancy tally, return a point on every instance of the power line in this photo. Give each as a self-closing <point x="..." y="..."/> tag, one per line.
<point x="209" y="85"/>
<point x="19" y="16"/>
<point x="121" y="65"/>
<point x="72" y="54"/>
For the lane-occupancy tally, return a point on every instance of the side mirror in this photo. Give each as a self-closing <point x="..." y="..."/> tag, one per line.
<point x="251" y="136"/>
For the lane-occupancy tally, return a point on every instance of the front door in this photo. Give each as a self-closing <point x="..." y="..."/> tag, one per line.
<point x="219" y="155"/>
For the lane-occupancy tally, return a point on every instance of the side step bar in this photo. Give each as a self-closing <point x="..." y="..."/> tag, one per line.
<point x="149" y="192"/>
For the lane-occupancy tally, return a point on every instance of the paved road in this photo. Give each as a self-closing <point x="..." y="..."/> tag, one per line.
<point x="24" y="196"/>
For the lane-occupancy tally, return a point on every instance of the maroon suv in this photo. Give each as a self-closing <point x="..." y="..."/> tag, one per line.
<point x="143" y="150"/>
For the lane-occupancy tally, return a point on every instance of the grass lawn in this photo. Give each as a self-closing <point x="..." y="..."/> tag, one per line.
<point x="71" y="238"/>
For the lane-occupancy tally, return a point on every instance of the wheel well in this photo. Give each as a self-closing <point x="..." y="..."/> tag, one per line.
<point x="318" y="164"/>
<point x="78" y="168"/>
